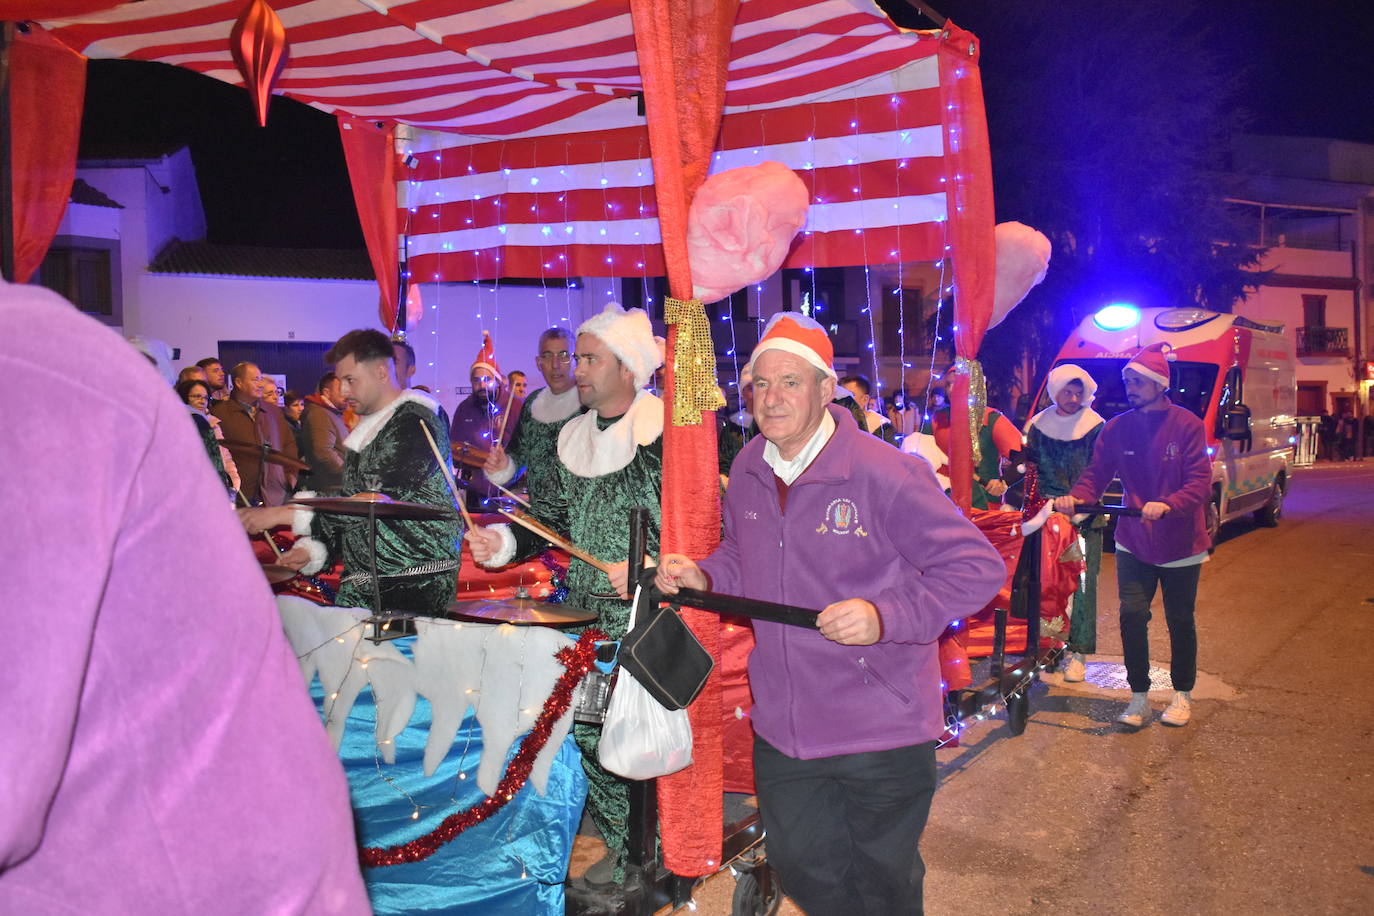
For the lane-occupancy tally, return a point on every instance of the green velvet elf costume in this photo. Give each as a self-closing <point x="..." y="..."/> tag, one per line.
<point x="417" y="561"/>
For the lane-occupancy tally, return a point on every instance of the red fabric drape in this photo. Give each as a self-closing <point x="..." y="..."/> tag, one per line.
<point x="47" y="92"/>
<point x="370" y="152"/>
<point x="684" y="59"/>
<point x="971" y="219"/>
<point x="24" y="10"/>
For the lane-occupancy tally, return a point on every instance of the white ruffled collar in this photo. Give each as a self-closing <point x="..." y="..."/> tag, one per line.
<point x="369" y="426"/>
<point x="790" y="469"/>
<point x="547" y="407"/>
<point x="1066" y="429"/>
<point x="588" y="451"/>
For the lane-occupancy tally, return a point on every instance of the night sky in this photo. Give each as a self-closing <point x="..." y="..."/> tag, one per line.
<point x="1304" y="69"/>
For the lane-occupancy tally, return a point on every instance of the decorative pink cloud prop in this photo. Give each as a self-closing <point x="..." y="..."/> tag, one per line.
<point x="740" y="227"/>
<point x="1023" y="257"/>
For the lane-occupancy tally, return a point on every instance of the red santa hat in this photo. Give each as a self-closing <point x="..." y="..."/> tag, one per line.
<point x="486" y="357"/>
<point x="1153" y="362"/>
<point x="799" y="335"/>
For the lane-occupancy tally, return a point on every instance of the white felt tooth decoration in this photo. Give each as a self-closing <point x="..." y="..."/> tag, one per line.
<point x="503" y="673"/>
<point x="448" y="668"/>
<point x="1023" y="258"/>
<point x="393" y="678"/>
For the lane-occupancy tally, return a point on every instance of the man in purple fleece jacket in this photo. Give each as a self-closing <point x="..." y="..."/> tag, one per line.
<point x="821" y="514"/>
<point x="1159" y="450"/>
<point x="160" y="752"/>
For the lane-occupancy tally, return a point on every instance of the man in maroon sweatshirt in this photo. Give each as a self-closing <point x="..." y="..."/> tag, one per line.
<point x="1159" y="450"/>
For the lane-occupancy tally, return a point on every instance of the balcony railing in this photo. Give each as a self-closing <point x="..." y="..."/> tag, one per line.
<point x="1323" y="341"/>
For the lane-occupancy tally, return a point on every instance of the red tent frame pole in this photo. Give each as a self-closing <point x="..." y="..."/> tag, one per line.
<point x="6" y="165"/>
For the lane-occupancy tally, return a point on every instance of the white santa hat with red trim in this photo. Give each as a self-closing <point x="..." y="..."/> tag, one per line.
<point x="486" y="357"/>
<point x="1153" y="362"/>
<point x="799" y="335"/>
<point x="630" y="336"/>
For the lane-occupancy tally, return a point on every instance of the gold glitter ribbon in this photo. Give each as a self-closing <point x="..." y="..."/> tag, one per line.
<point x="694" y="361"/>
<point x="977" y="400"/>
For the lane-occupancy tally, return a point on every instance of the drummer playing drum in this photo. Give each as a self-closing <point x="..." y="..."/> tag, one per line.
<point x="387" y="452"/>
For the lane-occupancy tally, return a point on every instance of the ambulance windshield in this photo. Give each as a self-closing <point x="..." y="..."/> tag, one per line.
<point x="1191" y="385"/>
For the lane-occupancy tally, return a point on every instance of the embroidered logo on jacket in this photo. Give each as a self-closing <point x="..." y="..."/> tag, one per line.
<point x="842" y="517"/>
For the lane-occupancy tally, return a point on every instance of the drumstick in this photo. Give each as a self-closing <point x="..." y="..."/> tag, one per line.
<point x="448" y="475"/>
<point x="508" y="493"/>
<point x="265" y="536"/>
<point x="501" y="433"/>
<point x="531" y="525"/>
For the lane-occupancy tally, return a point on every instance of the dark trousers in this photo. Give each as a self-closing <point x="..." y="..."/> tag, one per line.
<point x="842" y="832"/>
<point x="1136" y="583"/>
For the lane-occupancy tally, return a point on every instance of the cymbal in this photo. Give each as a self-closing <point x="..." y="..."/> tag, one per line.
<point x="276" y="573"/>
<point x="521" y="612"/>
<point x="379" y="503"/>
<point x="469" y="454"/>
<point x="265" y="452"/>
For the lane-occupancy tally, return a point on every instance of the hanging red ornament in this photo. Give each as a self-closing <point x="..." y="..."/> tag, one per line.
<point x="258" y="44"/>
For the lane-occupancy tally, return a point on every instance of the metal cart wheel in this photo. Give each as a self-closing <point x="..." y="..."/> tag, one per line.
<point x="750" y="900"/>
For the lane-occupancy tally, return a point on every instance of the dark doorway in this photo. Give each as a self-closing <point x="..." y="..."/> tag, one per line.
<point x="302" y="362"/>
<point x="1311" y="400"/>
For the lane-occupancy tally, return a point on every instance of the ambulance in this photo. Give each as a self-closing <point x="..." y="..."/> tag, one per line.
<point x="1237" y="374"/>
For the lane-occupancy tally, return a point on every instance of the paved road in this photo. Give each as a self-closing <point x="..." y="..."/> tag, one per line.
<point x="1263" y="805"/>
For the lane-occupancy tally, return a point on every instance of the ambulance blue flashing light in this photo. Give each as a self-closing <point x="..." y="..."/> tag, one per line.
<point x="1117" y="317"/>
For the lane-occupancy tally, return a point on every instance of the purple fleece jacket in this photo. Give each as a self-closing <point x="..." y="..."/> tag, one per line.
<point x="160" y="752"/>
<point x="1160" y="456"/>
<point x="865" y="521"/>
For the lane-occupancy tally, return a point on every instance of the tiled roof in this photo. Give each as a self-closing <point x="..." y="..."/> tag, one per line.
<point x="83" y="193"/>
<point x="249" y="261"/>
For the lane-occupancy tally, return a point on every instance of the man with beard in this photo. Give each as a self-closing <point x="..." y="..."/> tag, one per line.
<point x="1062" y="437"/>
<point x="610" y="460"/>
<point x="1159" y="450"/>
<point x="477" y="420"/>
<point x="417" y="561"/>
<point x="214" y="375"/>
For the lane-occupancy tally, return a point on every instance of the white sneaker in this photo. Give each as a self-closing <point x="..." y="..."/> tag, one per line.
<point x="1180" y="710"/>
<point x="1137" y="711"/>
<point x="1076" y="669"/>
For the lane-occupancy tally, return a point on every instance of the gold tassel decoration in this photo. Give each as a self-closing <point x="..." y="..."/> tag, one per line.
<point x="694" y="361"/>
<point x="977" y="401"/>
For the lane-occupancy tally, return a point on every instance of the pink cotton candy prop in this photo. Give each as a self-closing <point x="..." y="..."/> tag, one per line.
<point x="1023" y="257"/>
<point x="740" y="227"/>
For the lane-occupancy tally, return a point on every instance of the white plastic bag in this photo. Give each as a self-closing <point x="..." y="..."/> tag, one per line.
<point x="640" y="739"/>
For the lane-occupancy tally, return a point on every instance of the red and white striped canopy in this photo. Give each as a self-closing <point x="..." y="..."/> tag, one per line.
<point x="532" y="157"/>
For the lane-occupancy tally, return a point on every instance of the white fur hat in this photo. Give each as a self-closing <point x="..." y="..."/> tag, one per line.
<point x="630" y="336"/>
<point x="1061" y="375"/>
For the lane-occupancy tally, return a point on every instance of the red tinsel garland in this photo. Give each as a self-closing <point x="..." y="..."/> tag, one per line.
<point x="577" y="661"/>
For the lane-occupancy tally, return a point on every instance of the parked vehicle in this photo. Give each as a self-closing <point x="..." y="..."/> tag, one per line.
<point x="1237" y="374"/>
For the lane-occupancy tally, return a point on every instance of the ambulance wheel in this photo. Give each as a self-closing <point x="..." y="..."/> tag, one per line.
<point x="749" y="899"/>
<point x="1273" y="510"/>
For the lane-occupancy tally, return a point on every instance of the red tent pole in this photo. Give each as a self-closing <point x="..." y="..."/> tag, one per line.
<point x="6" y="165"/>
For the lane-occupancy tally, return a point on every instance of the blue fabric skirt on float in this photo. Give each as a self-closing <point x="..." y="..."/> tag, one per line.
<point x="513" y="863"/>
